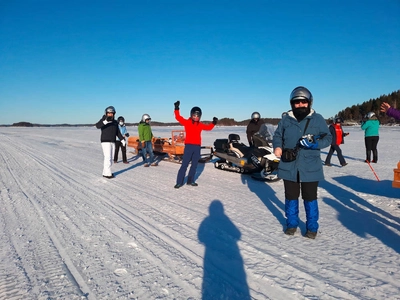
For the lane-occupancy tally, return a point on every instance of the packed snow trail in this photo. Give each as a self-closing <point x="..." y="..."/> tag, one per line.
<point x="68" y="233"/>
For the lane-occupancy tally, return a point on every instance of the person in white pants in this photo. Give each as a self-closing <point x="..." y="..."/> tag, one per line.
<point x="109" y="132"/>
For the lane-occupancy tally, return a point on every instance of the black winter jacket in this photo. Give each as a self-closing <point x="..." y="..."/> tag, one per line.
<point x="110" y="131"/>
<point x="252" y="128"/>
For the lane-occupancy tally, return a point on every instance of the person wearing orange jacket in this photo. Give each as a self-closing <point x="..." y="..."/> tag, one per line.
<point x="338" y="135"/>
<point x="191" y="154"/>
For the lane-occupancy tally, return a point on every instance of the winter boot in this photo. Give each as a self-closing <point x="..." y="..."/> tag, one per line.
<point x="312" y="215"/>
<point x="292" y="216"/>
<point x="311" y="235"/>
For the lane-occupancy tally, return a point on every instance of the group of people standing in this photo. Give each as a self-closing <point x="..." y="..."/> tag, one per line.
<point x="297" y="141"/>
<point x="114" y="134"/>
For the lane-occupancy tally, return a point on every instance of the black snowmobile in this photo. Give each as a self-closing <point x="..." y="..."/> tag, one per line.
<point x="259" y="160"/>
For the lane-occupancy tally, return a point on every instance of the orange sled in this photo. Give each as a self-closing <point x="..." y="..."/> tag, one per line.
<point x="172" y="147"/>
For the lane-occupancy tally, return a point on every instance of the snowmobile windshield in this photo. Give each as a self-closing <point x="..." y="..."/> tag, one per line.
<point x="264" y="136"/>
<point x="266" y="131"/>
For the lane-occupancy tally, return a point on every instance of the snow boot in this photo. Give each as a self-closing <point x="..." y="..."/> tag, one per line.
<point x="292" y="214"/>
<point x="311" y="235"/>
<point x="290" y="231"/>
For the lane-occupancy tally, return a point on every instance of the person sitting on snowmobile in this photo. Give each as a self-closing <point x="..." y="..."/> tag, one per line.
<point x="253" y="127"/>
<point x="192" y="152"/>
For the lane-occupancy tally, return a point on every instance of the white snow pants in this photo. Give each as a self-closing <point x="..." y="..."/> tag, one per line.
<point x="108" y="151"/>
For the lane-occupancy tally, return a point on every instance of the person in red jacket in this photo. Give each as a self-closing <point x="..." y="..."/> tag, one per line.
<point x="337" y="139"/>
<point x="191" y="154"/>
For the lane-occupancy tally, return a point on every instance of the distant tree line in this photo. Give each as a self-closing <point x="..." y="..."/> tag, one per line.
<point x="357" y="112"/>
<point x="353" y="114"/>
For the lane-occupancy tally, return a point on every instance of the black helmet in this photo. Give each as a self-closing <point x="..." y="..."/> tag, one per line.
<point x="338" y="120"/>
<point x="121" y="118"/>
<point x="195" y="111"/>
<point x="110" y="109"/>
<point x="255" y="115"/>
<point x="301" y="93"/>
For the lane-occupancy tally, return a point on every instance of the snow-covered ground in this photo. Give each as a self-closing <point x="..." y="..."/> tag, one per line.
<point x="68" y="233"/>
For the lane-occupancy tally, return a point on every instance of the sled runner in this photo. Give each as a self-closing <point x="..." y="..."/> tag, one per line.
<point x="171" y="148"/>
<point x="259" y="160"/>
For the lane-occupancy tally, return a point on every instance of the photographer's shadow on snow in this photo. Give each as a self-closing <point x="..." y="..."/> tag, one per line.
<point x="267" y="196"/>
<point x="369" y="220"/>
<point x="224" y="276"/>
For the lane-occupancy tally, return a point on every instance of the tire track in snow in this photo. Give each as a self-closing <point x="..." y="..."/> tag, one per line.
<point x="50" y="266"/>
<point x="75" y="184"/>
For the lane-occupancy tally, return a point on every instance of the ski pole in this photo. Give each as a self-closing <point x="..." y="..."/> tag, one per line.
<point x="372" y="170"/>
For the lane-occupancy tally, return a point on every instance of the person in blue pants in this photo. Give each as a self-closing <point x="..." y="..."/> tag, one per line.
<point x="191" y="154"/>
<point x="300" y="135"/>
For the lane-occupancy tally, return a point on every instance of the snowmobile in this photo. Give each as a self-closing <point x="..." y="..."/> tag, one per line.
<point x="258" y="160"/>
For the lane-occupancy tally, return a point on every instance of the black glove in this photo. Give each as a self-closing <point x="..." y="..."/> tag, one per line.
<point x="177" y="105"/>
<point x="127" y="134"/>
<point x="215" y="120"/>
<point x="109" y="119"/>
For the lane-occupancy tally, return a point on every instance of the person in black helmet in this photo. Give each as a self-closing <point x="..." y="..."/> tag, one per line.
<point x="118" y="143"/>
<point x="109" y="133"/>
<point x="338" y="135"/>
<point x="253" y="127"/>
<point x="191" y="154"/>
<point x="300" y="135"/>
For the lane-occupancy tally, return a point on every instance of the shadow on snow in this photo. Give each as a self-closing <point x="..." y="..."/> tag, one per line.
<point x="224" y="275"/>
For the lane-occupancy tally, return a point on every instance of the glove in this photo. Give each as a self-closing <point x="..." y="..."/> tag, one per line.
<point x="305" y="143"/>
<point x="127" y="134"/>
<point x="110" y="119"/>
<point x="177" y="105"/>
<point x="123" y="143"/>
<point x="105" y="122"/>
<point x="215" y="120"/>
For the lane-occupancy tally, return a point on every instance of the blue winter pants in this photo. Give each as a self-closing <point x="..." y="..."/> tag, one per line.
<point x="309" y="195"/>
<point x="190" y="155"/>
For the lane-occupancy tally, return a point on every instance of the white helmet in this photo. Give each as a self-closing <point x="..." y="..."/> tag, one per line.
<point x="146" y="117"/>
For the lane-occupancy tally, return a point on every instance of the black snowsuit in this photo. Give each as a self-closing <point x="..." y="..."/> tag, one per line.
<point x="252" y="128"/>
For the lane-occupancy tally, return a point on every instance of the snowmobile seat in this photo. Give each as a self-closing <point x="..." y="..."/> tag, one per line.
<point x="221" y="145"/>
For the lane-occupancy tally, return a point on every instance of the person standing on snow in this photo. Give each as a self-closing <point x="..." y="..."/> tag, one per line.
<point x="371" y="126"/>
<point x="300" y="166"/>
<point x="109" y="133"/>
<point x="118" y="144"/>
<point x="253" y="127"/>
<point x="390" y="111"/>
<point x="191" y="154"/>
<point x="145" y="137"/>
<point x="338" y="135"/>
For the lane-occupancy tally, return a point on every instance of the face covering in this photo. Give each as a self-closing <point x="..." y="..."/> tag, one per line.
<point x="301" y="112"/>
<point x="121" y="123"/>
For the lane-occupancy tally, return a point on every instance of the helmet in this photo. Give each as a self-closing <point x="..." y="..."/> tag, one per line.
<point x="195" y="111"/>
<point x="110" y="109"/>
<point x="370" y="115"/>
<point x="255" y="115"/>
<point x="338" y="120"/>
<point x="121" y="118"/>
<point x="301" y="93"/>
<point x="145" y="117"/>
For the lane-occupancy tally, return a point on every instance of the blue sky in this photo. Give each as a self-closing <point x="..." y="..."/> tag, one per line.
<point x="66" y="61"/>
